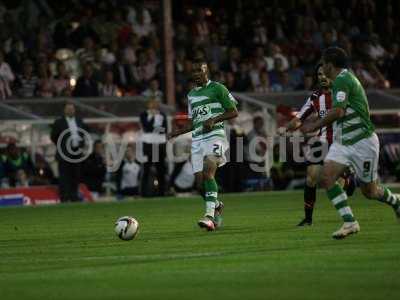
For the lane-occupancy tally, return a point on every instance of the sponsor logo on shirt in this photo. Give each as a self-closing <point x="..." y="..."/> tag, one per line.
<point x="201" y="112"/>
<point x="340" y="96"/>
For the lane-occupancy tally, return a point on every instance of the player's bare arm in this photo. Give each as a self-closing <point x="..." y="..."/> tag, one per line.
<point x="229" y="114"/>
<point x="332" y="116"/>
<point x="186" y="129"/>
<point x="294" y="124"/>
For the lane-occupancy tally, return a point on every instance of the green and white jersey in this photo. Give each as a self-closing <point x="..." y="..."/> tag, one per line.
<point x="349" y="94"/>
<point x="207" y="102"/>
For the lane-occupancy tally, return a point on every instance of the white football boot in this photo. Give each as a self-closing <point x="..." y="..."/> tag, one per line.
<point x="207" y="222"/>
<point x="346" y="229"/>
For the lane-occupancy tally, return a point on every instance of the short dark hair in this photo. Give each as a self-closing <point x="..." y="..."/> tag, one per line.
<point x="315" y="75"/>
<point x="199" y="60"/>
<point x="335" y="55"/>
<point x="68" y="102"/>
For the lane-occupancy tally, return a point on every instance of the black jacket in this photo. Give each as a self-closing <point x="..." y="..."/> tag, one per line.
<point x="86" y="87"/>
<point x="149" y="126"/>
<point x="59" y="126"/>
<point x="94" y="172"/>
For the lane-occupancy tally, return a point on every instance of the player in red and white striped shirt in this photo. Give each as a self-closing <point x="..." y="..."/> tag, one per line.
<point x="319" y="103"/>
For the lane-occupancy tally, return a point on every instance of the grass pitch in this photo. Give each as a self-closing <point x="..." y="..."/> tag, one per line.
<point x="71" y="252"/>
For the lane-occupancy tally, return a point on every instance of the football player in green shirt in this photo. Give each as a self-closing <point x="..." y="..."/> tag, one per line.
<point x="355" y="142"/>
<point x="209" y="105"/>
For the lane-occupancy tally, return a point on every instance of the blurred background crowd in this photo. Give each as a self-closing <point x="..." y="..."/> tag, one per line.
<point x="114" y="48"/>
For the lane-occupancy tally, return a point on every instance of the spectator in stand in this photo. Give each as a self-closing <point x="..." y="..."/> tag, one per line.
<point x="6" y="78"/>
<point x="308" y="82"/>
<point x="375" y="50"/>
<point x="256" y="148"/>
<point x="123" y="74"/>
<point x="62" y="82"/>
<point x="94" y="170"/>
<point x="369" y="75"/>
<point x="394" y="65"/>
<point x="83" y="29"/>
<point x="27" y="83"/>
<point x="141" y="27"/>
<point x="296" y="74"/>
<point x="263" y="86"/>
<point x="22" y="179"/>
<point x="230" y="81"/>
<point x="128" y="174"/>
<point x="87" y="53"/>
<point x="42" y="173"/>
<point x="284" y="82"/>
<point x="260" y="33"/>
<point x="363" y="75"/>
<point x="144" y="70"/>
<point x="182" y="178"/>
<point x="275" y="53"/>
<point x="4" y="182"/>
<point x="232" y="174"/>
<point x="256" y="67"/>
<point x="15" y="160"/>
<point x="200" y="28"/>
<point x="133" y="11"/>
<point x="183" y="76"/>
<point x="282" y="31"/>
<point x="214" y="50"/>
<point x="275" y="73"/>
<point x="109" y="88"/>
<point x="243" y="80"/>
<point x="154" y="126"/>
<point x="233" y="61"/>
<point x="87" y="85"/>
<point x="45" y="87"/>
<point x="129" y="52"/>
<point x="67" y="135"/>
<point x="153" y="92"/>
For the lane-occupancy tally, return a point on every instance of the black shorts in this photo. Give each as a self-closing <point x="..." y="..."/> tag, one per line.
<point x="316" y="153"/>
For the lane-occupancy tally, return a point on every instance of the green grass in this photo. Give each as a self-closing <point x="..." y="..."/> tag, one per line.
<point x="71" y="251"/>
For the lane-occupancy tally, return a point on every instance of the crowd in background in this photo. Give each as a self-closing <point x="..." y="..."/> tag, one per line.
<point x="114" y="48"/>
<point x="79" y="48"/>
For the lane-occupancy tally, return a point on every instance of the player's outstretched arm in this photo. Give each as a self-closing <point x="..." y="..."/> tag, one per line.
<point x="186" y="129"/>
<point x="331" y="117"/>
<point x="228" y="114"/>
<point x="294" y="124"/>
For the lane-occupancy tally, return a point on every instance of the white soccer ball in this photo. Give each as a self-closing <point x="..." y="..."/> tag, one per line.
<point x="126" y="228"/>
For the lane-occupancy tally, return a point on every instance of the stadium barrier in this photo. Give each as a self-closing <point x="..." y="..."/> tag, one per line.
<point x="37" y="195"/>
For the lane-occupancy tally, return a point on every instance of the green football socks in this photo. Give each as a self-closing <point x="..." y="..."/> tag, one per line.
<point x="389" y="198"/>
<point x="338" y="198"/>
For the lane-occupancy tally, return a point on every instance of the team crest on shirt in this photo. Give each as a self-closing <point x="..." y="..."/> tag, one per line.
<point x="340" y="96"/>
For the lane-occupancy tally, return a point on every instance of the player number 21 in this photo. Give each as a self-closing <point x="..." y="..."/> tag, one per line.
<point x="217" y="149"/>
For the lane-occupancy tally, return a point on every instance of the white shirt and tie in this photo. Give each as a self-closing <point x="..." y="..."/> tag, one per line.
<point x="73" y="129"/>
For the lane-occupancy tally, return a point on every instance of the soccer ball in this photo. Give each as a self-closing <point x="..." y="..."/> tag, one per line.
<point x="126" y="228"/>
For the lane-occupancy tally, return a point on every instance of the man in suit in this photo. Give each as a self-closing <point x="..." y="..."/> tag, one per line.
<point x="154" y="126"/>
<point x="87" y="85"/>
<point x="70" y="135"/>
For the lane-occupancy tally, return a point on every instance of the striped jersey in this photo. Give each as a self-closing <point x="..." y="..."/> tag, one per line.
<point x="207" y="102"/>
<point x="320" y="103"/>
<point x="349" y="94"/>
